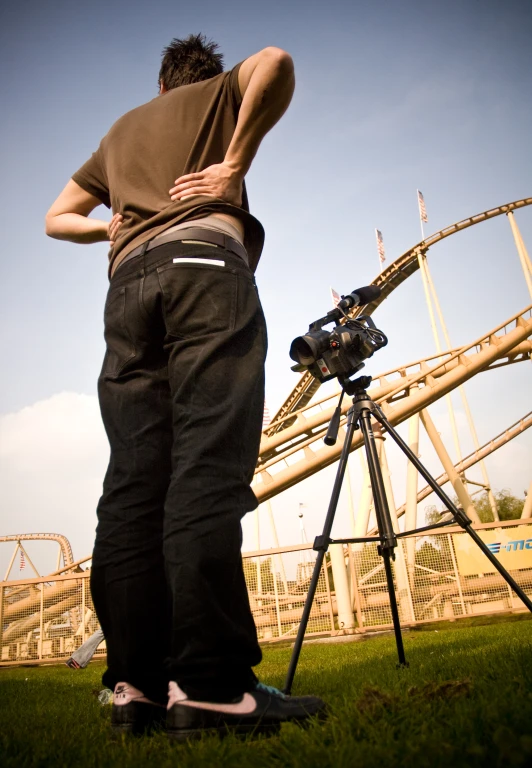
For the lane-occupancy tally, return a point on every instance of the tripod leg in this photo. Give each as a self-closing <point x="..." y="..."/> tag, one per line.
<point x="323" y="543"/>
<point x="384" y="523"/>
<point x="459" y="516"/>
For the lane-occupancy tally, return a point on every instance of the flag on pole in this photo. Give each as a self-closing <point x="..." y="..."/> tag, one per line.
<point x="335" y="297"/>
<point x="266" y="418"/>
<point x="22" y="561"/>
<point x="380" y="245"/>
<point x="422" y="209"/>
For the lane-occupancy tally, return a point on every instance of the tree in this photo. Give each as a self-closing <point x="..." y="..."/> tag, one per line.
<point x="509" y="507"/>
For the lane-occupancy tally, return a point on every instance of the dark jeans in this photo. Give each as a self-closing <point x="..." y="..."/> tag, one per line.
<point x="181" y="395"/>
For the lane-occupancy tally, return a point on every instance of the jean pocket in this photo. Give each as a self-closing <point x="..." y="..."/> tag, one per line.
<point x="120" y="347"/>
<point x="199" y="299"/>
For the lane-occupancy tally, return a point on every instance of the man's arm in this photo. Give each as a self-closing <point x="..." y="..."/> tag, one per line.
<point x="68" y="219"/>
<point x="266" y="81"/>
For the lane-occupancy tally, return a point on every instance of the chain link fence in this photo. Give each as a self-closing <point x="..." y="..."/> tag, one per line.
<point x="441" y="576"/>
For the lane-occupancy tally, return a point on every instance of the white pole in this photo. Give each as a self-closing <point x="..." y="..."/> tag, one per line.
<point x="346" y="620"/>
<point x="527" y="508"/>
<point x="257" y="547"/>
<point x="411" y="490"/>
<point x="276" y="543"/>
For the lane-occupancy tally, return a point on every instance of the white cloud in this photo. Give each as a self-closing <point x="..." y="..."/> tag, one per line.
<point x="53" y="457"/>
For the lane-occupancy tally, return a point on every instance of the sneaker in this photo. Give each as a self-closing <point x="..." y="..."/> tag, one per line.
<point x="261" y="710"/>
<point x="133" y="713"/>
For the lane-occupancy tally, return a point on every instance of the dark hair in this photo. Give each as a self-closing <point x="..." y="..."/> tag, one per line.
<point x="189" y="61"/>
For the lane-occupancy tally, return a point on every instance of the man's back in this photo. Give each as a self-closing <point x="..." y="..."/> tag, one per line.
<point x="179" y="132"/>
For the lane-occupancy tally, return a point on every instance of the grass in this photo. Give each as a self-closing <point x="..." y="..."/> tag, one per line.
<point x="465" y="700"/>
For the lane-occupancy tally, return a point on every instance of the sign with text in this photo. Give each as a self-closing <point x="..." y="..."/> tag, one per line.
<point x="512" y="547"/>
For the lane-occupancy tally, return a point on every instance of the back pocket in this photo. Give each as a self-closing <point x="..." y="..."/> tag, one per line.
<point x="199" y="299"/>
<point x="120" y="347"/>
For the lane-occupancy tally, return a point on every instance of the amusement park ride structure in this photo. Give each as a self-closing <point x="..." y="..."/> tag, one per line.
<point x="292" y="449"/>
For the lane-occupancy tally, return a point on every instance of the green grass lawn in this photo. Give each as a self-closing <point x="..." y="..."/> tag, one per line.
<point x="465" y="700"/>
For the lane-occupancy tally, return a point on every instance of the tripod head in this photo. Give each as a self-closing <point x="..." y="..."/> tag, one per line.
<point x="352" y="387"/>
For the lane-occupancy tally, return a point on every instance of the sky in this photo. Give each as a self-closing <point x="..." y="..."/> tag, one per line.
<point x="390" y="97"/>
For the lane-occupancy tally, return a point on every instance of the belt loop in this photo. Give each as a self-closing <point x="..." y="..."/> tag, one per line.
<point x="143" y="249"/>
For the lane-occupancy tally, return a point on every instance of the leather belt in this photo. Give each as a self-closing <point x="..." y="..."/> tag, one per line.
<point x="211" y="236"/>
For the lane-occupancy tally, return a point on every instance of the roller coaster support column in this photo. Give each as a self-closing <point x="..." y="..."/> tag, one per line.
<point x="346" y="620"/>
<point x="527" y="508"/>
<point x="487" y="484"/>
<point x="276" y="544"/>
<point x="423" y="268"/>
<point x="521" y="250"/>
<point x="411" y="492"/>
<point x="452" y="474"/>
<point x="401" y="572"/>
<point x="364" y="506"/>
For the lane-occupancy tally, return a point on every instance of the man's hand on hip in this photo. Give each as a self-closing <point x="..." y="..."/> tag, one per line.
<point x="114" y="225"/>
<point x="220" y="180"/>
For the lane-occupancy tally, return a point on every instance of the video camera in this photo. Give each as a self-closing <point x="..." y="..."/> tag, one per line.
<point x="339" y="353"/>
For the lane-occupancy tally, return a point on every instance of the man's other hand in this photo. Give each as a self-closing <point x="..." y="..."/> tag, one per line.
<point x="114" y="225"/>
<point x="220" y="180"/>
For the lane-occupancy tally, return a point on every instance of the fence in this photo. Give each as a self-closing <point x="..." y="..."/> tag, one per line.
<point x="440" y="576"/>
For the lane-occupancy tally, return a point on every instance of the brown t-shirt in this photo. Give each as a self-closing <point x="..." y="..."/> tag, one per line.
<point x="182" y="131"/>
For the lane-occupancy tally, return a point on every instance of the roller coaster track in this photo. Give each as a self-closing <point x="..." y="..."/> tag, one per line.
<point x="290" y="454"/>
<point x="388" y="280"/>
<point x="469" y="461"/>
<point x="64" y="544"/>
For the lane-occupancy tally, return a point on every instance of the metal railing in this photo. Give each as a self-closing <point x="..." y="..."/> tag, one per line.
<point x="45" y="619"/>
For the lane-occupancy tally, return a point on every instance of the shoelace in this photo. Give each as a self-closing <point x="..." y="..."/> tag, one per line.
<point x="270" y="689"/>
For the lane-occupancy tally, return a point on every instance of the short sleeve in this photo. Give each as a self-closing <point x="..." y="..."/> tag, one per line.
<point x="234" y="88"/>
<point x="93" y="179"/>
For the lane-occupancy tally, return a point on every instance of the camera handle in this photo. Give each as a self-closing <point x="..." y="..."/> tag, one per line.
<point x="359" y="417"/>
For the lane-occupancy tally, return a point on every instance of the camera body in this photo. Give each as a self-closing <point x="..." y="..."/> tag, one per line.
<point x="339" y="353"/>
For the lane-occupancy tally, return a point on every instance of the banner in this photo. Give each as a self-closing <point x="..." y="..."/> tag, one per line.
<point x="512" y="547"/>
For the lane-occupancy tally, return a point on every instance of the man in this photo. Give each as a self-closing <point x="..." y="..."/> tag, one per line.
<point x="182" y="390"/>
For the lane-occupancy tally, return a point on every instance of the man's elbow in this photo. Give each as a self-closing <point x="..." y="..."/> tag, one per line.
<point x="278" y="59"/>
<point x="50" y="226"/>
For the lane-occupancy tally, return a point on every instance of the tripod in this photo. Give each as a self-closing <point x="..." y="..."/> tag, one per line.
<point x="359" y="417"/>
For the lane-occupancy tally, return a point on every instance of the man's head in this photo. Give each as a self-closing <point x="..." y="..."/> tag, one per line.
<point x="189" y="61"/>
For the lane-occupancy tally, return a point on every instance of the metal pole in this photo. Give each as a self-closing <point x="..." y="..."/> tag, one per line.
<point x="29" y="560"/>
<point x="364" y="506"/>
<point x="41" y="623"/>
<point x="527" y="507"/>
<point x="1" y="618"/>
<point x="411" y="492"/>
<point x="422" y="261"/>
<point x="456" y="572"/>
<point x="452" y="474"/>
<point x="458" y="514"/>
<point x="83" y="610"/>
<point x="401" y="572"/>
<point x="276" y="595"/>
<point x="257" y="562"/>
<point x="17" y="545"/>
<point x="521" y="250"/>
<point x="346" y="620"/>
<point x="276" y="543"/>
<point x="461" y="389"/>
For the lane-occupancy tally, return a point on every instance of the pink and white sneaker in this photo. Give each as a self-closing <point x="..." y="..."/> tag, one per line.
<point x="259" y="711"/>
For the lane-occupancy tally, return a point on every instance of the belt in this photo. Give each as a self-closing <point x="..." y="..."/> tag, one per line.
<point x="192" y="233"/>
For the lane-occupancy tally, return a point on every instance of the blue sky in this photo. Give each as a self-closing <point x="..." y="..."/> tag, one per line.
<point x="390" y="97"/>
